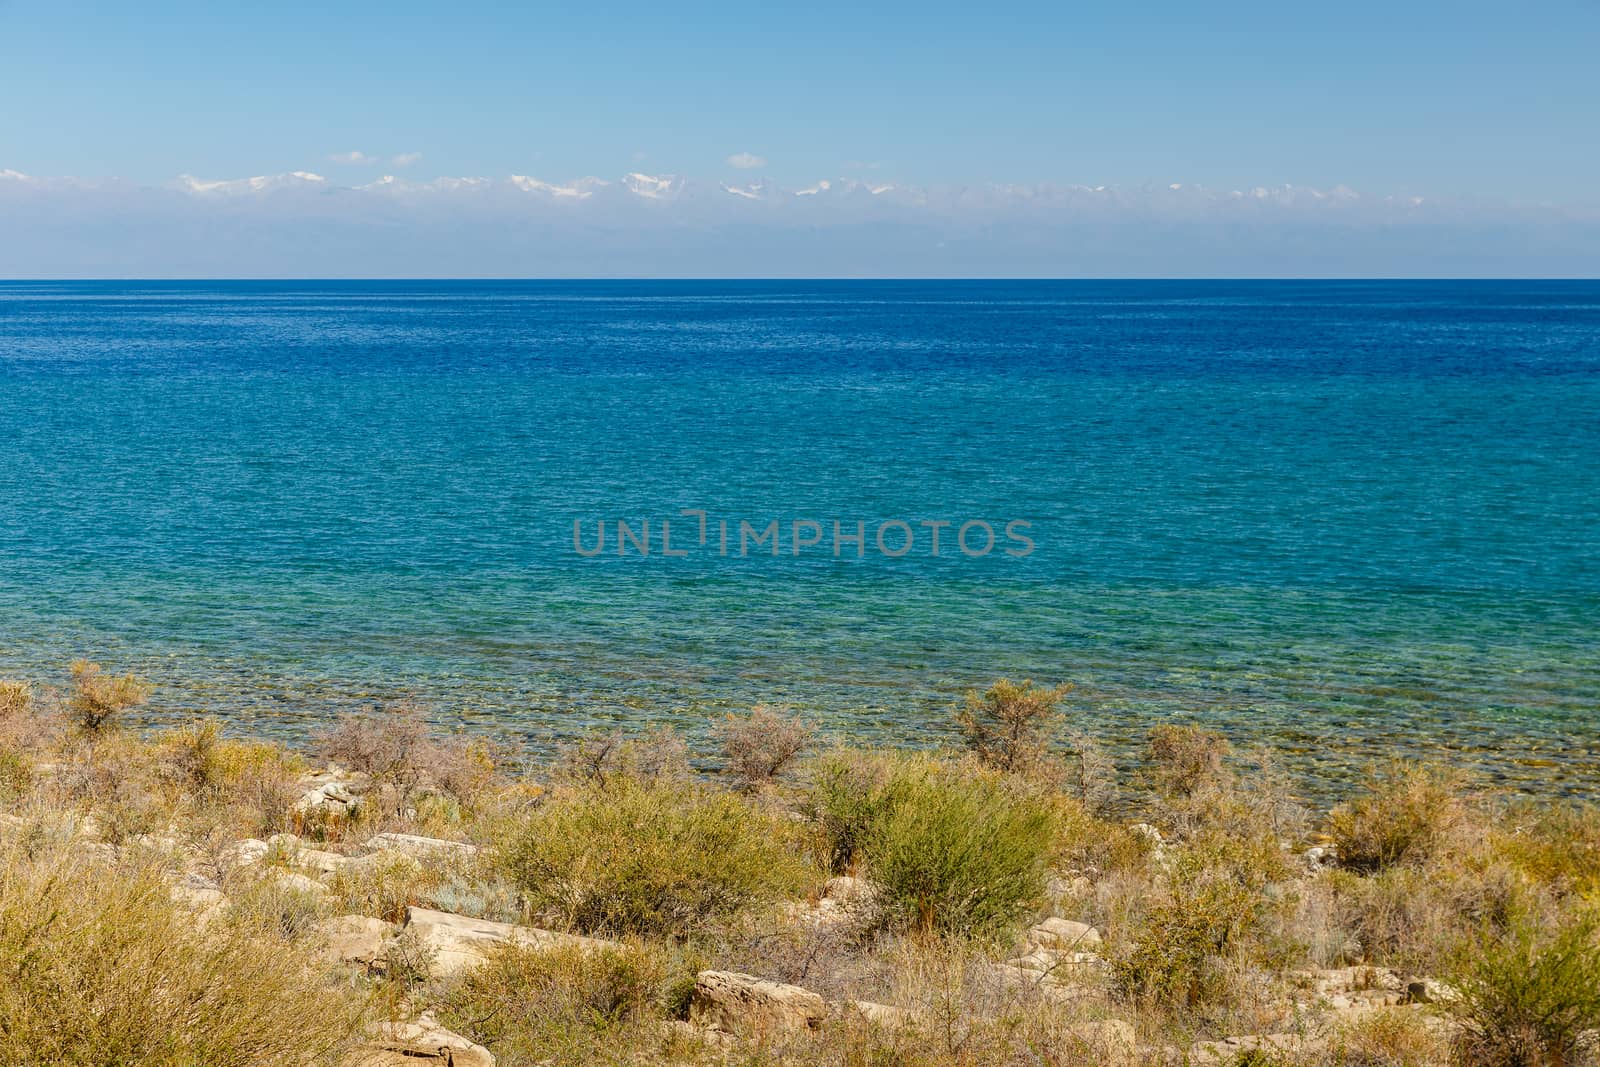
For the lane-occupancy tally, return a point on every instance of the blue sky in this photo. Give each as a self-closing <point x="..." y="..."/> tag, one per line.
<point x="1467" y="101"/>
<point x="1438" y="98"/>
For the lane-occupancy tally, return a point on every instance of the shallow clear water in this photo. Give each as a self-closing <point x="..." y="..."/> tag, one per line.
<point x="1349" y="519"/>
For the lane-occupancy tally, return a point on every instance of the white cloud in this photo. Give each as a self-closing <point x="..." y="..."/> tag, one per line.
<point x="405" y="159"/>
<point x="353" y="159"/>
<point x="746" y="161"/>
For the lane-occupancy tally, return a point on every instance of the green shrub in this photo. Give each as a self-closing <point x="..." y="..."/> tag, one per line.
<point x="846" y="797"/>
<point x="1010" y="725"/>
<point x="1212" y="910"/>
<point x="653" y="858"/>
<point x="566" y="1004"/>
<point x="1403" y="814"/>
<point x="1186" y="759"/>
<point x="16" y="775"/>
<point x="1555" y="844"/>
<point x="103" y="968"/>
<point x="952" y="849"/>
<point x="1528" y="993"/>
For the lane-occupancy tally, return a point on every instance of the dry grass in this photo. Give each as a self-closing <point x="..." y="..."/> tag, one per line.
<point x="1404" y="812"/>
<point x="565" y="1005"/>
<point x="103" y="968"/>
<point x="1202" y="927"/>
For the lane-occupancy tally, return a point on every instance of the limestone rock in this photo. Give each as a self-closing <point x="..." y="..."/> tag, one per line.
<point x="201" y="896"/>
<point x="419" y="1044"/>
<point x="360" y="940"/>
<point x="330" y="798"/>
<point x="458" y="942"/>
<point x="1233" y="1049"/>
<point x="1429" y="991"/>
<point x="886" y="1016"/>
<point x="1111" y="1042"/>
<point x="1064" y="934"/>
<point x="295" y="882"/>
<point x="246" y="853"/>
<point x="742" y="1003"/>
<point x="420" y="847"/>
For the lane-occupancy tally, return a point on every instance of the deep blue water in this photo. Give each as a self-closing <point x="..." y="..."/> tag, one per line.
<point x="1348" y="519"/>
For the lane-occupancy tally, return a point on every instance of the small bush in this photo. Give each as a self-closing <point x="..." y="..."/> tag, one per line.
<point x="757" y="747"/>
<point x="16" y="699"/>
<point x="1186" y="759"/>
<point x="103" y="968"/>
<point x="652" y="858"/>
<point x="659" y="756"/>
<point x="1211" y="912"/>
<point x="1556" y="844"/>
<point x="1090" y="776"/>
<point x="99" y="699"/>
<point x="846" y="797"/>
<point x="1402" y="815"/>
<point x="1387" y="1037"/>
<point x="565" y="1005"/>
<point x="391" y="744"/>
<point x="1528" y="994"/>
<point x="16" y="775"/>
<point x="955" y="852"/>
<point x="1010" y="726"/>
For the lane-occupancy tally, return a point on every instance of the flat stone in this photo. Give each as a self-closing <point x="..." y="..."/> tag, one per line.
<point x="459" y="942"/>
<point x="246" y="853"/>
<point x="1230" y="1050"/>
<point x="296" y="882"/>
<point x="360" y="940"/>
<point x="1111" y="1042"/>
<point x="420" y="847"/>
<point x="742" y="1003"/>
<point x="419" y="1044"/>
<point x="1064" y="934"/>
<point x="334" y="798"/>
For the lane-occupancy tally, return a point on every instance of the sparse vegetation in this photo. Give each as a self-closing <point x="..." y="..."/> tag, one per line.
<point x="565" y="1005"/>
<point x="1405" y="812"/>
<point x="1529" y="995"/>
<point x="102" y="967"/>
<point x="1010" y="725"/>
<point x="652" y="857"/>
<point x="757" y="747"/>
<point x="99" y="699"/>
<point x="1216" y="909"/>
<point x="1186" y="759"/>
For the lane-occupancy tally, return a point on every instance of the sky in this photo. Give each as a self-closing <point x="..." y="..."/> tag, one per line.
<point x="1481" y="119"/>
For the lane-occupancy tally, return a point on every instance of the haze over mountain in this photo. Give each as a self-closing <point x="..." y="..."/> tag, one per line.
<point x="303" y="224"/>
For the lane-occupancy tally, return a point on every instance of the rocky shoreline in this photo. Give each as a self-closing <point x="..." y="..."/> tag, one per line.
<point x="411" y="898"/>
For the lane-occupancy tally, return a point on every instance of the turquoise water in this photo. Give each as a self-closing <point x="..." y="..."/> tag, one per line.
<point x="1347" y="519"/>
